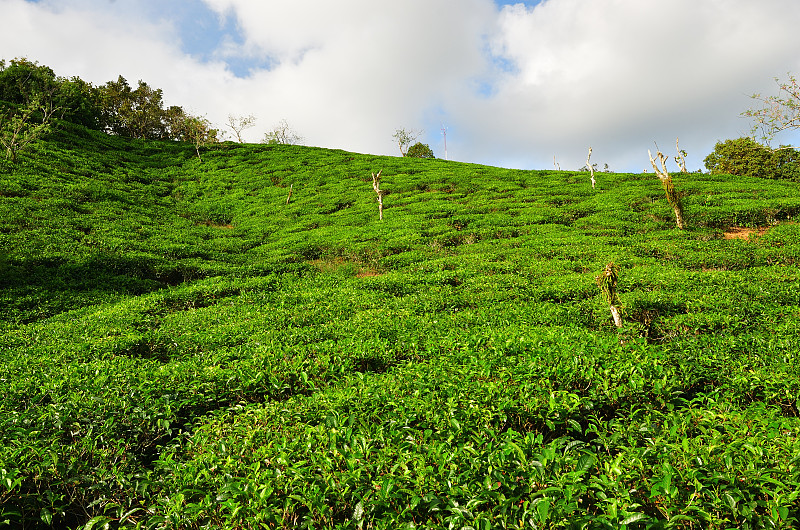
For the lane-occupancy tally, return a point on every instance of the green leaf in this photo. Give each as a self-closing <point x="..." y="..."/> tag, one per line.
<point x="585" y="463"/>
<point x="358" y="511"/>
<point x="96" y="521"/>
<point x="46" y="516"/>
<point x="634" y="518"/>
<point x="543" y="509"/>
<point x="729" y="501"/>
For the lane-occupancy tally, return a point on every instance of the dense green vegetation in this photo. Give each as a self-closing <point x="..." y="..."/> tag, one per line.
<point x="31" y="96"/>
<point x="746" y="157"/>
<point x="180" y="347"/>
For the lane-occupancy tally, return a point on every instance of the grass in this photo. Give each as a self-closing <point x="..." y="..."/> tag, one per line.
<point x="181" y="348"/>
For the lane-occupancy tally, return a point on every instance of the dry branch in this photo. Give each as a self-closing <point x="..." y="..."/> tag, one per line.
<point x="680" y="159"/>
<point x="673" y="198"/>
<point x="376" y="182"/>
<point x="607" y="282"/>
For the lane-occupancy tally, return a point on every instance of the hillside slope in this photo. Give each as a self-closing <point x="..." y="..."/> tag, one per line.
<point x="182" y="347"/>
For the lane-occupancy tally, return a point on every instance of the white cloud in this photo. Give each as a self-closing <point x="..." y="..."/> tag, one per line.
<point x="349" y="73"/>
<point x="515" y="85"/>
<point x="620" y="74"/>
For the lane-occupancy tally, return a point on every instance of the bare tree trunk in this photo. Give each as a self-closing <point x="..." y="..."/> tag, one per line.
<point x="673" y="198"/>
<point x="289" y="197"/>
<point x="376" y="182"/>
<point x="607" y="282"/>
<point x="589" y="165"/>
<point x="616" y="316"/>
<point x="681" y="157"/>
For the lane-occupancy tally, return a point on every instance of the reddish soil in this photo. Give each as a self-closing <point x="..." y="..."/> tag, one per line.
<point x="740" y="232"/>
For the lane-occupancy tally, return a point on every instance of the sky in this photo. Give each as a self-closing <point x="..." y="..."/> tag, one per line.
<point x="527" y="85"/>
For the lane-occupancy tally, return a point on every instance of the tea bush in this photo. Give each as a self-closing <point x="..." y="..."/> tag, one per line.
<point x="183" y="348"/>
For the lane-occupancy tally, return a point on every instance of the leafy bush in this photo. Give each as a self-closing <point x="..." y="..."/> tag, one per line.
<point x="182" y="348"/>
<point x="746" y="157"/>
<point x="420" y="150"/>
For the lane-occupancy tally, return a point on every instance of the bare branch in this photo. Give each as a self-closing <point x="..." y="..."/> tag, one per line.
<point x="680" y="159"/>
<point x="776" y="113"/>
<point x="673" y="198"/>
<point x="282" y="134"/>
<point x="239" y="124"/>
<point x="404" y="138"/>
<point x="19" y="127"/>
<point x="607" y="282"/>
<point x="376" y="182"/>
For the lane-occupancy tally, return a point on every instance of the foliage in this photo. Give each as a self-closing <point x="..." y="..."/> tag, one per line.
<point x="193" y="129"/>
<point x="135" y="113"/>
<point x="419" y="150"/>
<point x="746" y="157"/>
<point x="404" y="138"/>
<point x="22" y="81"/>
<point x="19" y="126"/>
<point x="674" y="198"/>
<point x="607" y="282"/>
<point x="777" y="113"/>
<point x="282" y="134"/>
<point x="239" y="123"/>
<point x="181" y="348"/>
<point x="27" y="104"/>
<point x="114" y="107"/>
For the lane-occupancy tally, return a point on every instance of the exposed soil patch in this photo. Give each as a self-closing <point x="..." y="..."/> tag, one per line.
<point x="741" y="232"/>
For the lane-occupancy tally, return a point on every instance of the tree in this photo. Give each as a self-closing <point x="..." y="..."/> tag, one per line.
<point x="420" y="150"/>
<point x="404" y="138"/>
<point x="239" y="124"/>
<point x="282" y="134"/>
<point x="777" y="113"/>
<point x="22" y="79"/>
<point x="194" y="129"/>
<point x="27" y="108"/>
<point x="673" y="197"/>
<point x="135" y="113"/>
<point x="80" y="102"/>
<point x="21" y="125"/>
<point x="680" y="158"/>
<point x="590" y="167"/>
<point x="746" y="157"/>
<point x="607" y="282"/>
<point x="376" y="185"/>
<point x="76" y="99"/>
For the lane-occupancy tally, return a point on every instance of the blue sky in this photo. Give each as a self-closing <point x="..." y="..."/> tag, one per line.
<point x="518" y="84"/>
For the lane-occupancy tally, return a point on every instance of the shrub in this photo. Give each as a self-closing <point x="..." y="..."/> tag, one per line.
<point x="420" y="150"/>
<point x="746" y="157"/>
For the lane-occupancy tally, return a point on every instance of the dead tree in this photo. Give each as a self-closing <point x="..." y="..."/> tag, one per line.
<point x="607" y="282"/>
<point x="289" y="197"/>
<point x="673" y="198"/>
<point x="589" y="165"/>
<point x="376" y="183"/>
<point x="680" y="159"/>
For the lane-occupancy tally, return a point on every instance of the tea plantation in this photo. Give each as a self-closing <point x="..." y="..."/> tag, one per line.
<point x="185" y="345"/>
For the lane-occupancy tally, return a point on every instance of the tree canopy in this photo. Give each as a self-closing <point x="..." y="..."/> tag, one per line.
<point x="746" y="157"/>
<point x="115" y="107"/>
<point x="420" y="150"/>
